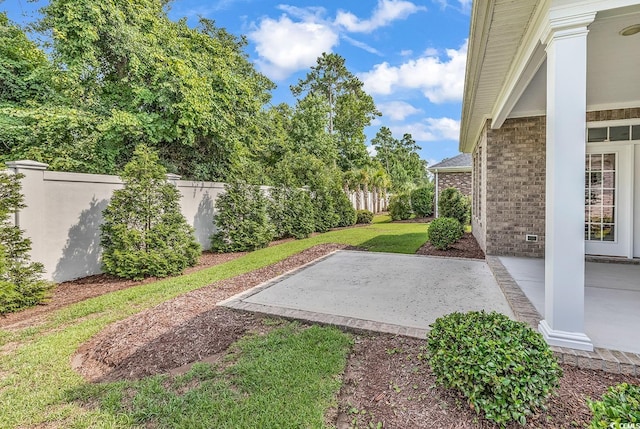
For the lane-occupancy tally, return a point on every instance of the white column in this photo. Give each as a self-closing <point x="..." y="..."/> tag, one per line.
<point x="563" y="323"/>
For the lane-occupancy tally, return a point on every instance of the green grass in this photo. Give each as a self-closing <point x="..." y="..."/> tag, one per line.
<point x="287" y="378"/>
<point x="35" y="369"/>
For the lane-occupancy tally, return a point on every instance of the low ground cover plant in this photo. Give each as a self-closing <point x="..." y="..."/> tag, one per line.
<point x="21" y="283"/>
<point x="422" y="201"/>
<point x="400" y="207"/>
<point x="620" y="405"/>
<point x="445" y="231"/>
<point x="144" y="233"/>
<point x="503" y="367"/>
<point x="452" y="203"/>
<point x="364" y="216"/>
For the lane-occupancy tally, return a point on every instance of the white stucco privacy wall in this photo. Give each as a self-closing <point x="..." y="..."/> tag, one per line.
<point x="64" y="213"/>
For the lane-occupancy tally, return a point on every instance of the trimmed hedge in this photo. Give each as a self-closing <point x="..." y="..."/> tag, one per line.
<point x="344" y="209"/>
<point x="291" y="212"/>
<point x="444" y="231"/>
<point x="422" y="201"/>
<point x="364" y="216"/>
<point x="503" y="367"/>
<point x="400" y="207"/>
<point x="242" y="221"/>
<point x="452" y="203"/>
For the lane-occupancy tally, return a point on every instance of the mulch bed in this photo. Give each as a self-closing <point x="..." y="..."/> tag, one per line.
<point x="384" y="380"/>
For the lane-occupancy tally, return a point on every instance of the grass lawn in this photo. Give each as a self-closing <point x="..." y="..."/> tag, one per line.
<point x="37" y="384"/>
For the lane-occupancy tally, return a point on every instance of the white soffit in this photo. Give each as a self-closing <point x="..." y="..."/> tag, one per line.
<point x="497" y="30"/>
<point x="613" y="62"/>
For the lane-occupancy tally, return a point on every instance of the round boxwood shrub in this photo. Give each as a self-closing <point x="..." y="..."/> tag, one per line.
<point x="422" y="201"/>
<point x="621" y="404"/>
<point x="452" y="203"/>
<point x="364" y="216"/>
<point x="242" y="221"/>
<point x="444" y="231"/>
<point x="400" y="207"/>
<point x="503" y="367"/>
<point x="144" y="233"/>
<point x="291" y="212"/>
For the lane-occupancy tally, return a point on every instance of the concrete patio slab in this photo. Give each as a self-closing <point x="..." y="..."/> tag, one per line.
<point x="612" y="299"/>
<point x="384" y="292"/>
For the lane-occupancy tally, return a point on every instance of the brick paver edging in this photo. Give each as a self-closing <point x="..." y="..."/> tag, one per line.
<point x="607" y="360"/>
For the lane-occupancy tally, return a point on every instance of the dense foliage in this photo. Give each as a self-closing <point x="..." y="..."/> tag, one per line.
<point x="242" y="222"/>
<point x="344" y="209"/>
<point x="422" y="201"/>
<point x="400" y="159"/>
<point x="364" y="216"/>
<point x="452" y="203"/>
<point x="21" y="283"/>
<point x="144" y="233"/>
<point x="503" y="367"/>
<point x="621" y="404"/>
<point x="444" y="231"/>
<point x="291" y="212"/>
<point x="400" y="207"/>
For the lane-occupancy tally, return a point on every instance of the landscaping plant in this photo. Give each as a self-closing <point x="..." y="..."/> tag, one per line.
<point x="242" y="221"/>
<point x="444" y="231"/>
<point x="344" y="209"/>
<point x="364" y="216"/>
<point x="291" y="212"/>
<point x="144" y="234"/>
<point x="503" y="367"/>
<point x="452" y="203"/>
<point x="400" y="207"/>
<point x="621" y="404"/>
<point x="21" y="284"/>
<point x="422" y="201"/>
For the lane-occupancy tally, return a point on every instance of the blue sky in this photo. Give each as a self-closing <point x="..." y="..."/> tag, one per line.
<point x="409" y="54"/>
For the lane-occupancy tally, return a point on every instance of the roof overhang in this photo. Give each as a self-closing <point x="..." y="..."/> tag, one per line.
<point x="449" y="169"/>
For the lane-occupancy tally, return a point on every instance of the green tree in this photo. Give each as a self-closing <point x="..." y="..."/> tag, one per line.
<point x="242" y="222"/>
<point x="144" y="233"/>
<point x="401" y="160"/>
<point x="21" y="283"/>
<point x="349" y="108"/>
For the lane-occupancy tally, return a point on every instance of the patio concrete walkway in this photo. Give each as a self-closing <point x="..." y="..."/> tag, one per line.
<point x="385" y="292"/>
<point x="612" y="299"/>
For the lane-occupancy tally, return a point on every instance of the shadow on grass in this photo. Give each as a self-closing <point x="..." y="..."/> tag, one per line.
<point x="396" y="243"/>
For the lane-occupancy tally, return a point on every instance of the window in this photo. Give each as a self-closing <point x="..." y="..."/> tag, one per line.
<point x="600" y="197"/>
<point x="613" y="134"/>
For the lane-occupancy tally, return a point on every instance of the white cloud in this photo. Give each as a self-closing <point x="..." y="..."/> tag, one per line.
<point x="385" y="12"/>
<point x="371" y="150"/>
<point x="434" y="129"/>
<point x="440" y="81"/>
<point x="361" y="45"/>
<point x="285" y="46"/>
<point x="397" y="110"/>
<point x="406" y="52"/>
<point x="464" y="6"/>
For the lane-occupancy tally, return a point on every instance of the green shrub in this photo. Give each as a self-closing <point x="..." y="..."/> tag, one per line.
<point x="144" y="233"/>
<point x="400" y="207"/>
<point x="291" y="212"/>
<point x="364" y="216"/>
<point x="422" y="201"/>
<point x="504" y="368"/>
<point x="21" y="283"/>
<point x="452" y="203"/>
<point x="242" y="221"/>
<point x="344" y="209"/>
<point x="444" y="231"/>
<point x="621" y="404"/>
<point x="325" y="208"/>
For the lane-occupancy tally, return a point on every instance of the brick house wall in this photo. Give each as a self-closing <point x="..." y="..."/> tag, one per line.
<point x="509" y="183"/>
<point x="460" y="181"/>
